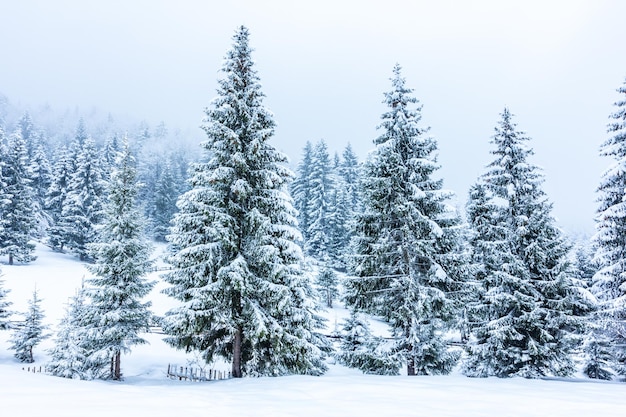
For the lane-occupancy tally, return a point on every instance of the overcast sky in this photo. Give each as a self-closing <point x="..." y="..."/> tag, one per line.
<point x="325" y="64"/>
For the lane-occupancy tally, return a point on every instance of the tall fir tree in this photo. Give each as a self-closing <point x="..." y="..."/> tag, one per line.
<point x="55" y="198"/>
<point x="407" y="241"/>
<point x="31" y="333"/>
<point x="531" y="297"/>
<point x="321" y="184"/>
<point x="17" y="213"/>
<point x="301" y="190"/>
<point x="115" y="314"/>
<point x="82" y="211"/>
<point x="609" y="283"/>
<point x="350" y="174"/>
<point x="236" y="258"/>
<point x="164" y="207"/>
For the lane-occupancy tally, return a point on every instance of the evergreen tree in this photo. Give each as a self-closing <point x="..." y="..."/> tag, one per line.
<point x="407" y="243"/>
<point x="319" y="204"/>
<point x="236" y="259"/>
<point x="530" y="308"/>
<point x="41" y="174"/>
<point x="165" y="196"/>
<point x="609" y="283"/>
<point x="27" y="131"/>
<point x="55" y="199"/>
<point x="115" y="315"/>
<point x="17" y="220"/>
<point x="301" y="190"/>
<point x="361" y="350"/>
<point x="68" y="357"/>
<point x="26" y="337"/>
<point x="82" y="211"/>
<point x="5" y="313"/>
<point x="327" y="282"/>
<point x="339" y="223"/>
<point x="350" y="173"/>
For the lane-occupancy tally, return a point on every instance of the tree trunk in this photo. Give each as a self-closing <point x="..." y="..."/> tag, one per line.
<point x="410" y="366"/>
<point x="117" y="374"/>
<point x="237" y="353"/>
<point x="410" y="360"/>
<point x="10" y="259"/>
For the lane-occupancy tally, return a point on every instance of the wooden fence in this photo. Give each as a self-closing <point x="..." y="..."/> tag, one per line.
<point x="195" y="374"/>
<point x="34" y="369"/>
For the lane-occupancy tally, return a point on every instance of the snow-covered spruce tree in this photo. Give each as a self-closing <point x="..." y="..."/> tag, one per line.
<point x="41" y="178"/>
<point x="115" y="314"/>
<point x="164" y="206"/>
<point x="301" y="189"/>
<point x="531" y="302"/>
<point x="321" y="184"/>
<point x="55" y="198"/>
<point x="82" y="211"/>
<point x="408" y="254"/>
<point x="17" y="215"/>
<point x="340" y="218"/>
<point x="609" y="283"/>
<point x="26" y="337"/>
<point x="236" y="258"/>
<point x="327" y="282"/>
<point x="5" y="304"/>
<point x="68" y="357"/>
<point x="350" y="174"/>
<point x="598" y="356"/>
<point x="362" y="350"/>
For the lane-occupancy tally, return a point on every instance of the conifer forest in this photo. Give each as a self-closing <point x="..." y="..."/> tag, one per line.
<point x="257" y="248"/>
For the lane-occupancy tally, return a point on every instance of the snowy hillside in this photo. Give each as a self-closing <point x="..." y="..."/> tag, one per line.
<point x="340" y="392"/>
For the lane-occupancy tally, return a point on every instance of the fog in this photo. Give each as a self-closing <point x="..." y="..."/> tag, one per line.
<point x="324" y="66"/>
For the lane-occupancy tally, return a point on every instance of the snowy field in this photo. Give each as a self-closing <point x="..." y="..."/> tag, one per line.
<point x="341" y="392"/>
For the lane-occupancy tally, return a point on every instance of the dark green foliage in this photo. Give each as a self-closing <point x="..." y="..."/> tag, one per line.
<point x="327" y="282"/>
<point x="235" y="257"/>
<point x="30" y="333"/>
<point x="409" y="255"/>
<point x="17" y="214"/>
<point x="361" y="350"/>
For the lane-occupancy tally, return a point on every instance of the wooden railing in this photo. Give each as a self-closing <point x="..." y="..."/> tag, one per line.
<point x="195" y="374"/>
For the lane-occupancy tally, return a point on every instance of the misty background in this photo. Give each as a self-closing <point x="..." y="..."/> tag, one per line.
<point x="324" y="66"/>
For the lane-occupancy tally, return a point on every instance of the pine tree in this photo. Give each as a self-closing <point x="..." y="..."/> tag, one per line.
<point x="165" y="196"/>
<point x="236" y="259"/>
<point x="340" y="228"/>
<point x="68" y="357"/>
<point x="301" y="190"/>
<point x="350" y="173"/>
<point x="531" y="302"/>
<point x="82" y="211"/>
<point x="609" y="283"/>
<point x="115" y="315"/>
<point x="407" y="239"/>
<point x="56" y="195"/>
<point x="5" y="313"/>
<point x="26" y="337"/>
<point x="319" y="204"/>
<point x="17" y="220"/>
<point x="361" y="350"/>
<point x="27" y="131"/>
<point x="327" y="283"/>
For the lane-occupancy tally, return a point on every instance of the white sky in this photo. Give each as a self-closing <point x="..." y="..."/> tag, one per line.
<point x="325" y="64"/>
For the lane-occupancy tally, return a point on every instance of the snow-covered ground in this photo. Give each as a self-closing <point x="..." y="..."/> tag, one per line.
<point x="341" y="392"/>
